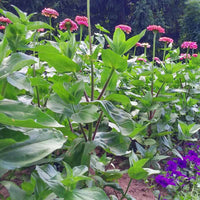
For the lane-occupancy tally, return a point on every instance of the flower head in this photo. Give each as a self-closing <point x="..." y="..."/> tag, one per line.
<point x="145" y="45"/>
<point x="2" y="27"/>
<point x="124" y="28"/>
<point x="194" y="55"/>
<point x="82" y="20"/>
<point x="142" y="59"/>
<point x="138" y="44"/>
<point x="184" y="56"/>
<point x="68" y="24"/>
<point x="40" y="30"/>
<point x="5" y="20"/>
<point x="49" y="12"/>
<point x="189" y="45"/>
<point x="166" y="39"/>
<point x="156" y="28"/>
<point x="164" y="181"/>
<point x="172" y="166"/>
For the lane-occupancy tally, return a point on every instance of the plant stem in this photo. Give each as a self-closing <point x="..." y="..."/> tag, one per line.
<point x="50" y="23"/>
<point x="106" y="84"/>
<point x="165" y="46"/>
<point x="134" y="50"/>
<point x="4" y="86"/>
<point x="81" y="32"/>
<point x="97" y="125"/>
<point x="90" y="41"/>
<point x="36" y="88"/>
<point x="70" y="125"/>
<point x="82" y="130"/>
<point x="127" y="189"/>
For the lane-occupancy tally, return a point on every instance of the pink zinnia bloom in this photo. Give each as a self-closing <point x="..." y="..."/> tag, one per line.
<point x="156" y="28"/>
<point x="194" y="54"/>
<point x="189" y="44"/>
<point x="82" y="20"/>
<point x="138" y="44"/>
<point x="184" y="56"/>
<point x="40" y="30"/>
<point x="145" y="45"/>
<point x="49" y="12"/>
<point x="142" y="59"/>
<point x="68" y="24"/>
<point x="157" y="60"/>
<point x="166" y="39"/>
<point x="2" y="27"/>
<point x="5" y="20"/>
<point x="125" y="28"/>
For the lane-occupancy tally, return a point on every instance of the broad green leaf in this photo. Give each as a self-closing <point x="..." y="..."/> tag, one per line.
<point x="136" y="171"/>
<point x="20" y="81"/>
<point x="15" y="192"/>
<point x="119" y="39"/>
<point x="112" y="175"/>
<point x="54" y="58"/>
<point x="41" y="143"/>
<point x="86" y="194"/>
<point x="138" y="128"/>
<point x="18" y="114"/>
<point x="123" y="99"/>
<point x="3" y="49"/>
<point x="194" y="129"/>
<point x="112" y="142"/>
<point x="133" y="40"/>
<point x="37" y="25"/>
<point x="85" y="114"/>
<point x="22" y="15"/>
<point x="121" y="118"/>
<point x="15" y="62"/>
<point x="113" y="60"/>
<point x="39" y="81"/>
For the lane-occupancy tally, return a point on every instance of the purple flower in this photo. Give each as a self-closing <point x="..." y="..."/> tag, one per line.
<point x="181" y="163"/>
<point x="192" y="153"/>
<point x="163" y="181"/>
<point x="172" y="166"/>
<point x="178" y="174"/>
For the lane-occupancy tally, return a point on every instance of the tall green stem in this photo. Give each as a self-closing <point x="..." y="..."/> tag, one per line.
<point x="186" y="60"/>
<point x="50" y="23"/>
<point x="165" y="46"/>
<point x="106" y="84"/>
<point x="134" y="52"/>
<point x="81" y="32"/>
<point x="90" y="41"/>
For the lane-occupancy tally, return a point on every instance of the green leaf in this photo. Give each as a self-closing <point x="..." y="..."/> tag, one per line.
<point x="113" y="60"/>
<point x="85" y="114"/>
<point x="10" y="16"/>
<point x="123" y="99"/>
<point x="136" y="171"/>
<point x="15" y="62"/>
<point x="20" y="81"/>
<point x="133" y="40"/>
<point x="37" y="25"/>
<point x="17" y="114"/>
<point x="138" y="128"/>
<point x="41" y="143"/>
<point x="87" y="194"/>
<point x="3" y="49"/>
<point x="194" y="129"/>
<point x="121" y="118"/>
<point x="112" y="142"/>
<point x="101" y="28"/>
<point x="54" y="58"/>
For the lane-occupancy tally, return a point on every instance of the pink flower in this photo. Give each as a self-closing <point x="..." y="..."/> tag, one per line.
<point x="2" y="27"/>
<point x="145" y="45"/>
<point x="142" y="59"/>
<point x="189" y="44"/>
<point x="156" y="28"/>
<point x="5" y="20"/>
<point x="68" y="24"/>
<point x="184" y="56"/>
<point x="125" y="28"/>
<point x="138" y="44"/>
<point x="157" y="60"/>
<point x="166" y="39"/>
<point x="49" y="12"/>
<point x="194" y="54"/>
<point x="81" y="20"/>
<point x="40" y="30"/>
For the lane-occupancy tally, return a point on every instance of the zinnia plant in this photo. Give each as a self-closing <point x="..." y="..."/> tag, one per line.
<point x="166" y="40"/>
<point x="68" y="24"/>
<point x="82" y="21"/>
<point x="125" y="28"/>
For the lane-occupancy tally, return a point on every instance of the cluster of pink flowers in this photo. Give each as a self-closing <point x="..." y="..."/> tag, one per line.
<point x="125" y="28"/>
<point x="142" y="59"/>
<point x="185" y="56"/>
<point x="156" y="28"/>
<point x="68" y="24"/>
<point x="49" y="12"/>
<point x="5" y="20"/>
<point x="166" y="39"/>
<point x="189" y="44"/>
<point x="2" y="27"/>
<point x="82" y="20"/>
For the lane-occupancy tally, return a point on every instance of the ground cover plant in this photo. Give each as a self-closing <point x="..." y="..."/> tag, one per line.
<point x="71" y="102"/>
